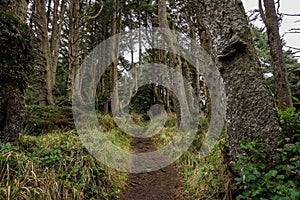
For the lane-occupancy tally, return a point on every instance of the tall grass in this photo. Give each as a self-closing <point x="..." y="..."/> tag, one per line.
<point x="204" y="177"/>
<point x="57" y="166"/>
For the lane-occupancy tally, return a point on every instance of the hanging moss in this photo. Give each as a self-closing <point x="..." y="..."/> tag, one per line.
<point x="17" y="51"/>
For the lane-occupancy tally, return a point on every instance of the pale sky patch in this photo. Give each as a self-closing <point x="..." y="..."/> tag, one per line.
<point x="288" y="7"/>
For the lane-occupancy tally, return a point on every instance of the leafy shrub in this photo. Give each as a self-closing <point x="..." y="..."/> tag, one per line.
<point x="281" y="182"/>
<point x="290" y="120"/>
<point x="63" y="101"/>
<point x="44" y="119"/>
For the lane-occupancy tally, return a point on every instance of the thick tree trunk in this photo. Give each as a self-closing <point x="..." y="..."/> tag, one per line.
<point x="250" y="107"/>
<point x="12" y="112"/>
<point x="12" y="105"/>
<point x="283" y="90"/>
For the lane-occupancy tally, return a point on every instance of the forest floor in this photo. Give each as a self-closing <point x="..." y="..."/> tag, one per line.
<point x="163" y="184"/>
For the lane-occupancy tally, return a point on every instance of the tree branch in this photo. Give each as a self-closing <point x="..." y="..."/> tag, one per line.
<point x="291" y="15"/>
<point x="261" y="11"/>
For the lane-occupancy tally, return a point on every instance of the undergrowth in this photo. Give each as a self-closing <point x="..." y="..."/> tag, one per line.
<point x="282" y="181"/>
<point x="204" y="177"/>
<point x="55" y="165"/>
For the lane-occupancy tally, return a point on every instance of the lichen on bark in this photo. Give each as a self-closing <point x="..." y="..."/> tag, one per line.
<point x="17" y="53"/>
<point x="250" y="107"/>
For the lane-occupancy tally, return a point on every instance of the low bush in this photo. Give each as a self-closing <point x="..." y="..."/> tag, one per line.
<point x="282" y="181"/>
<point x="45" y="119"/>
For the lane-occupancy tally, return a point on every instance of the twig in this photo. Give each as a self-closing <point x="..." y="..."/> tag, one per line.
<point x="291" y="15"/>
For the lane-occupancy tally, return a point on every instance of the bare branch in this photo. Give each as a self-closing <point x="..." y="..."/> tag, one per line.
<point x="93" y="17"/>
<point x="291" y="15"/>
<point x="294" y="29"/>
<point x="294" y="48"/>
<point x="87" y="16"/>
<point x="261" y="11"/>
<point x="292" y="32"/>
<point x="278" y="2"/>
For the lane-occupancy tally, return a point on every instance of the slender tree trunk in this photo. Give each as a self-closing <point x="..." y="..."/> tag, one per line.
<point x="250" y="108"/>
<point x="283" y="90"/>
<point x="12" y="105"/>
<point x="56" y="36"/>
<point x="114" y="51"/>
<point x="73" y="44"/>
<point x="41" y="21"/>
<point x="175" y="62"/>
<point x="49" y="45"/>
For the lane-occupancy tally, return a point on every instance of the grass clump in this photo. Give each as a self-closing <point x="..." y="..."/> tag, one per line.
<point x="57" y="166"/>
<point x="204" y="177"/>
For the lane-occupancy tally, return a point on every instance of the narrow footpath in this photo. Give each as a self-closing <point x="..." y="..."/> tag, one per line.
<point x="163" y="184"/>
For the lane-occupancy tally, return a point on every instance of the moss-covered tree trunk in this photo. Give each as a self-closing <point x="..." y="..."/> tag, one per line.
<point x="12" y="106"/>
<point x="250" y="107"/>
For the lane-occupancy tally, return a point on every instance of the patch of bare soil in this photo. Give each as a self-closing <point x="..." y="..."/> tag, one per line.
<point x="163" y="184"/>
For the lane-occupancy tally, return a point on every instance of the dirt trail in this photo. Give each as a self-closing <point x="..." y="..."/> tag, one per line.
<point x="163" y="184"/>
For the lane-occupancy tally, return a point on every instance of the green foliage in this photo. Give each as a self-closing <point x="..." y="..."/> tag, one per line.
<point x="280" y="182"/>
<point x="263" y="51"/>
<point x="142" y="101"/>
<point x="63" y="101"/>
<point x="204" y="177"/>
<point x="55" y="166"/>
<point x="17" y="50"/>
<point x="261" y="44"/>
<point x="293" y="67"/>
<point x="207" y="177"/>
<point x="43" y="119"/>
<point x="290" y="120"/>
<point x="256" y="182"/>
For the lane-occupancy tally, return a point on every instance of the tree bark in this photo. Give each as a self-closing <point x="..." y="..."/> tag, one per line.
<point x="114" y="51"/>
<point x="49" y="45"/>
<point x="175" y="62"/>
<point x="73" y="44"/>
<point x="283" y="90"/>
<point x="12" y="105"/>
<point x="250" y="107"/>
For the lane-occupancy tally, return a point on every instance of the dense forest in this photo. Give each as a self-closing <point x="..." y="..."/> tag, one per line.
<point x="147" y="99"/>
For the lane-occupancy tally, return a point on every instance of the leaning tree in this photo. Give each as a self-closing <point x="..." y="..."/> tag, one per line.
<point x="250" y="107"/>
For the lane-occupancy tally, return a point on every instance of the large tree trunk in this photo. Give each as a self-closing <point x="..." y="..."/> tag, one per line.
<point x="12" y="112"/>
<point x="283" y="90"/>
<point x="12" y="105"/>
<point x="250" y="107"/>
